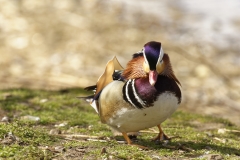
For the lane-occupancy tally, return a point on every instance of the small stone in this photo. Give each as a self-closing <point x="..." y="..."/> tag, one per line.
<point x="220" y="140"/>
<point x="80" y="149"/>
<point x="43" y="147"/>
<point x="55" y="131"/>
<point x="30" y="118"/>
<point x="221" y="131"/>
<point x="90" y="127"/>
<point x="154" y="157"/>
<point x="5" y="119"/>
<point x="61" y="124"/>
<point x="43" y="100"/>
<point x="209" y="134"/>
<point x="218" y="157"/>
<point x="215" y="157"/>
<point x="59" y="149"/>
<point x="181" y="151"/>
<point x="107" y="138"/>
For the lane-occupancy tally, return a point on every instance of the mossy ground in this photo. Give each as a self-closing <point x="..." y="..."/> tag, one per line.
<point x="70" y="129"/>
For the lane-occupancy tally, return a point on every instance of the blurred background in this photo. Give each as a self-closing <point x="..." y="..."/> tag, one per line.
<point x="63" y="44"/>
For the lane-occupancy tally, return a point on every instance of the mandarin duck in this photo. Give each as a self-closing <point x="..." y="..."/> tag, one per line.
<point x="141" y="96"/>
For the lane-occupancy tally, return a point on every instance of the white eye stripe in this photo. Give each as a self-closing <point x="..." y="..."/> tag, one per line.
<point x="160" y="55"/>
<point x="146" y="61"/>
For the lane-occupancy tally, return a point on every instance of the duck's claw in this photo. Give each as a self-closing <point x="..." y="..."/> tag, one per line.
<point x="129" y="142"/>
<point x="161" y="135"/>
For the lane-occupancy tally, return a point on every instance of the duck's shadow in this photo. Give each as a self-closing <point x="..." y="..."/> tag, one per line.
<point x="189" y="147"/>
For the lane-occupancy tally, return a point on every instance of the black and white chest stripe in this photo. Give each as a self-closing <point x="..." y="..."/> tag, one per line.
<point x="131" y="96"/>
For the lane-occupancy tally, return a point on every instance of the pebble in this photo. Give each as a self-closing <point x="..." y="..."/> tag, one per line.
<point x="211" y="156"/>
<point x="80" y="149"/>
<point x="43" y="100"/>
<point x="221" y="131"/>
<point x="90" y="127"/>
<point x="5" y="119"/>
<point x="55" y="131"/>
<point x="30" y="118"/>
<point x="154" y="157"/>
<point x="218" y="157"/>
<point x="209" y="134"/>
<point x="61" y="124"/>
<point x="59" y="149"/>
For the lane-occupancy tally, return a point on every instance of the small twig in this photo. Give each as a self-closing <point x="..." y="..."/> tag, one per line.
<point x="89" y="139"/>
<point x="96" y="140"/>
<point x="235" y="131"/>
<point x="220" y="140"/>
<point x="223" y="130"/>
<point x="93" y="140"/>
<point x="73" y="140"/>
<point x="78" y="136"/>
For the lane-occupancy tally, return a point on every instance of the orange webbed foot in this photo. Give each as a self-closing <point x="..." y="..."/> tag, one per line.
<point x="161" y="135"/>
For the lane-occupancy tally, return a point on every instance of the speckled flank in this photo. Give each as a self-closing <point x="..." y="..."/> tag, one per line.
<point x="111" y="100"/>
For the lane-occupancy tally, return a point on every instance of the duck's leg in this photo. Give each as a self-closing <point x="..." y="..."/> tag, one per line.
<point x="161" y="135"/>
<point x="129" y="142"/>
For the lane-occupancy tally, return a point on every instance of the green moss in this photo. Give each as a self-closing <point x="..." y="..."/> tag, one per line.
<point x="195" y="135"/>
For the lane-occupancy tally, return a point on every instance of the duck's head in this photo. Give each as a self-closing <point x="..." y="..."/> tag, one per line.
<point x="153" y="63"/>
<point x="150" y="62"/>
